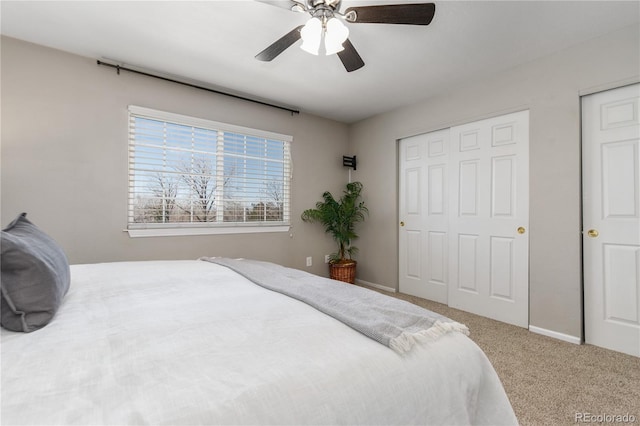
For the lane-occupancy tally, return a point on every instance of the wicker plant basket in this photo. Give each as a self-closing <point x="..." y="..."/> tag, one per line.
<point x="343" y="271"/>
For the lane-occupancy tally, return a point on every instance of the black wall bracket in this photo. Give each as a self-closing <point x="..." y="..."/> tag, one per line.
<point x="349" y="161"/>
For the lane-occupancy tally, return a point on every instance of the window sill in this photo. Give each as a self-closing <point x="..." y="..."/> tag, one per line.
<point x="219" y="230"/>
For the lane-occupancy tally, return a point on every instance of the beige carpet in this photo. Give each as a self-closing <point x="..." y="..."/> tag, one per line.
<point x="548" y="381"/>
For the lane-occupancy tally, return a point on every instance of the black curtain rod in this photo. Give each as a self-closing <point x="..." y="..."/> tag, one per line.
<point x="195" y="86"/>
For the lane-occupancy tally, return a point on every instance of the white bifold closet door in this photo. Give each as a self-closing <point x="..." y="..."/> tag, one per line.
<point x="488" y="227"/>
<point x="424" y="212"/>
<point x="611" y="218"/>
<point x="464" y="211"/>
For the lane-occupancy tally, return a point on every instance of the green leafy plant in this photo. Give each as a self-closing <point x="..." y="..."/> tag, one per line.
<point x="339" y="218"/>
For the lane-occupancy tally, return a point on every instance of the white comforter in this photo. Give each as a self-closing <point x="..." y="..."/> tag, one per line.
<point x="194" y="343"/>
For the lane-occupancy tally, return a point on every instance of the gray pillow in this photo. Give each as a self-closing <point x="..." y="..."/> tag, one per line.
<point x="35" y="276"/>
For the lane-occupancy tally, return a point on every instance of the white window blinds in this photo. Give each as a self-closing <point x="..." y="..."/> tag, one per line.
<point x="189" y="172"/>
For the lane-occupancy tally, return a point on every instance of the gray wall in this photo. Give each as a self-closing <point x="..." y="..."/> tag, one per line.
<point x="64" y="159"/>
<point x="550" y="88"/>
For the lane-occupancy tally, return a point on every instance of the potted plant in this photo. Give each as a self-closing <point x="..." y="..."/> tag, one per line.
<point x="339" y="218"/>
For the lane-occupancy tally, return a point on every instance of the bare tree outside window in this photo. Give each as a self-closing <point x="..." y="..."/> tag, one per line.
<point x="165" y="189"/>
<point x="199" y="177"/>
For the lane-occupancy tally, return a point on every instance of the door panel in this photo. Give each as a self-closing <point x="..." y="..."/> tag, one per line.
<point x="468" y="188"/>
<point x="620" y="196"/>
<point x="611" y="218"/>
<point x="424" y="204"/>
<point x="502" y="279"/>
<point x="436" y="188"/>
<point x="621" y="292"/>
<point x="503" y="186"/>
<point x="468" y="263"/>
<point x="437" y="257"/>
<point x="414" y="254"/>
<point x="489" y="257"/>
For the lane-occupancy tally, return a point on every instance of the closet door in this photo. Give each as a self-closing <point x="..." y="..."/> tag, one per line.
<point x="611" y="218"/>
<point x="424" y="214"/>
<point x="488" y="224"/>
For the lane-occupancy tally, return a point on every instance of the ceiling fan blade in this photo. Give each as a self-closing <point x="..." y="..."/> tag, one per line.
<point x="410" y="14"/>
<point x="280" y="45"/>
<point x="350" y="57"/>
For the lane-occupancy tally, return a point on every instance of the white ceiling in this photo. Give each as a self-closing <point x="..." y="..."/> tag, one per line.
<point x="215" y="42"/>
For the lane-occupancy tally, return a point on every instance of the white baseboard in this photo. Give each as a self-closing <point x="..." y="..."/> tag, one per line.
<point x="374" y="285"/>
<point x="560" y="336"/>
<point x="532" y="328"/>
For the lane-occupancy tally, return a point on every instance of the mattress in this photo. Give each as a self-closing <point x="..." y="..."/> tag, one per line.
<point x="194" y="343"/>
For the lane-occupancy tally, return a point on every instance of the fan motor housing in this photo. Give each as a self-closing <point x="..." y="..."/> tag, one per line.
<point x="331" y="4"/>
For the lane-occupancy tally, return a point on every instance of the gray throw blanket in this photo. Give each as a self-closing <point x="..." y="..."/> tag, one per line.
<point x="390" y="321"/>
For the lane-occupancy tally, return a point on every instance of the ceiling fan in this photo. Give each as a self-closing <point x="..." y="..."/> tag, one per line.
<point x="326" y="23"/>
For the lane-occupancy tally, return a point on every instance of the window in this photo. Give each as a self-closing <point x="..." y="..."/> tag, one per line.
<point x="194" y="176"/>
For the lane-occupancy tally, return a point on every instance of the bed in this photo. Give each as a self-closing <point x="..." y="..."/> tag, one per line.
<point x="193" y="342"/>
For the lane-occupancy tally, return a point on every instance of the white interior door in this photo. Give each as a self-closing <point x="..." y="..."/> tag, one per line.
<point x="488" y="225"/>
<point x="423" y="210"/>
<point x="611" y="218"/>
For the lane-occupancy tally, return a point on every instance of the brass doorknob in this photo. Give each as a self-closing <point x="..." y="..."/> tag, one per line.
<point x="593" y="233"/>
<point x="401" y="223"/>
<point x="521" y="230"/>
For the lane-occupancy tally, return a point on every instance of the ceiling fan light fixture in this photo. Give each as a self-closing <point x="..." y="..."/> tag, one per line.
<point x="328" y="22"/>
<point x="335" y="35"/>
<point x="311" y="35"/>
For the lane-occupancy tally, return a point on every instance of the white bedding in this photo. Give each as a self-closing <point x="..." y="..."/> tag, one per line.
<point x="194" y="343"/>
